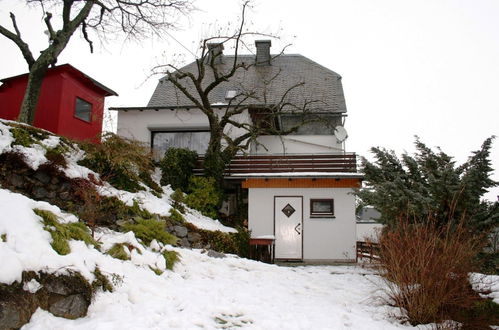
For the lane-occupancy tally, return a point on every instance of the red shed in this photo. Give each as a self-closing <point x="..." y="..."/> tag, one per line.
<point x="70" y="104"/>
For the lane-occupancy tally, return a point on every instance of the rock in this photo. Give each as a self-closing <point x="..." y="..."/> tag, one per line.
<point x="215" y="254"/>
<point x="10" y="317"/>
<point x="184" y="242"/>
<point x="16" y="310"/>
<point x="194" y="237"/>
<point x="64" y="195"/>
<point x="70" y="307"/>
<point x="57" y="286"/>
<point x="180" y="231"/>
<point x="42" y="177"/>
<point x="40" y="193"/>
<point x="65" y="186"/>
<point x="16" y="180"/>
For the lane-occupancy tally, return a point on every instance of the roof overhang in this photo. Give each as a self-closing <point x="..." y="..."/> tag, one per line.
<point x="74" y="72"/>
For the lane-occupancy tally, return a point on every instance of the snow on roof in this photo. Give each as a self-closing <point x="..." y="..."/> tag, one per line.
<point x="299" y="174"/>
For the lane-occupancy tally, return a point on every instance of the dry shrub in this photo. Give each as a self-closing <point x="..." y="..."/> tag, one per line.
<point x="427" y="268"/>
<point x="123" y="162"/>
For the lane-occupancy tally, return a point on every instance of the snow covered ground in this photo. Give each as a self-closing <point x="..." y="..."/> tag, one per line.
<point x="201" y="291"/>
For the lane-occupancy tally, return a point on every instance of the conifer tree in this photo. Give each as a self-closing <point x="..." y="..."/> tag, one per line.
<point x="429" y="185"/>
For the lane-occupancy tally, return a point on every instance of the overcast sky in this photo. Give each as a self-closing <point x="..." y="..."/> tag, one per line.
<point x="410" y="67"/>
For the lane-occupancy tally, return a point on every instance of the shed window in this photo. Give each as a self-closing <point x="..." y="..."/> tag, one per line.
<point x="322" y="208"/>
<point x="83" y="110"/>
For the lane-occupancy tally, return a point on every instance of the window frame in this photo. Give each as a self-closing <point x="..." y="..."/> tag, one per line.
<point x="315" y="214"/>
<point x="75" y="114"/>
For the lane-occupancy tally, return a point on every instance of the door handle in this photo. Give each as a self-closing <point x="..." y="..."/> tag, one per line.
<point x="297" y="229"/>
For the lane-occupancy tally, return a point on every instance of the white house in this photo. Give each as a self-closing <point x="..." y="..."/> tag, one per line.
<point x="298" y="186"/>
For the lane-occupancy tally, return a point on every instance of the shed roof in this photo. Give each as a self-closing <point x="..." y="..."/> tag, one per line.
<point x="270" y="83"/>
<point x="106" y="91"/>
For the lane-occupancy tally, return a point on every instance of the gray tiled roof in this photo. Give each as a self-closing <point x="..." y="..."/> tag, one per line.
<point x="320" y="84"/>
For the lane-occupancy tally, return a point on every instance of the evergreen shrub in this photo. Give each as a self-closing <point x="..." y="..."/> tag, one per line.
<point x="203" y="196"/>
<point x="149" y="229"/>
<point x="177" y="166"/>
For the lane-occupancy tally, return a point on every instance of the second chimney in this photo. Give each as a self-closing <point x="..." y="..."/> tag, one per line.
<point x="263" y="52"/>
<point x="215" y="51"/>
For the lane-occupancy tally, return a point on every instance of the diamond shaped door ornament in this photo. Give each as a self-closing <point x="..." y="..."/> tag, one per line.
<point x="288" y="210"/>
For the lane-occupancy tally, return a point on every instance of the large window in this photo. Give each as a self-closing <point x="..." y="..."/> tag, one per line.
<point x="322" y="208"/>
<point x="83" y="110"/>
<point x="310" y="124"/>
<point x="192" y="140"/>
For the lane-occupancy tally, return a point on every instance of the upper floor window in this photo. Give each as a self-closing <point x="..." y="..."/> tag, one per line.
<point x="83" y="110"/>
<point x="310" y="124"/>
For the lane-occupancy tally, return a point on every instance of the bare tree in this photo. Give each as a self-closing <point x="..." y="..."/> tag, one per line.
<point x="133" y="18"/>
<point x="199" y="84"/>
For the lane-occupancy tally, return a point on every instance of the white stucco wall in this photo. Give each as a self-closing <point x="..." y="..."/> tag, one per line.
<point x="323" y="238"/>
<point x="138" y="125"/>
<point x="368" y="231"/>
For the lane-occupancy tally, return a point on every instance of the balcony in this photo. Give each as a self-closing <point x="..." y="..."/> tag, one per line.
<point x="273" y="164"/>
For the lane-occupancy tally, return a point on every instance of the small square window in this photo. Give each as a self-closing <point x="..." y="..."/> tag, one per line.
<point x="230" y="94"/>
<point x="322" y="208"/>
<point x="83" y="110"/>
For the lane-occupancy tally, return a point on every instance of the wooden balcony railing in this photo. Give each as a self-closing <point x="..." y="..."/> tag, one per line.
<point x="288" y="163"/>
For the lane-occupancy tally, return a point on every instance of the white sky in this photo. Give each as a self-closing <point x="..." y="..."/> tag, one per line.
<point x="427" y="68"/>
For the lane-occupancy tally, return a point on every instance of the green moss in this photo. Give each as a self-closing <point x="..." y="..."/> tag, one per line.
<point x="118" y="251"/>
<point x="176" y="216"/>
<point x="56" y="156"/>
<point x="62" y="232"/>
<point x="149" y="229"/>
<point x="3" y="237"/>
<point x="101" y="281"/>
<point x="171" y="257"/>
<point x="21" y="137"/>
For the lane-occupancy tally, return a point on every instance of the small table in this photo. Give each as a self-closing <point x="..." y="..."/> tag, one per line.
<point x="262" y="249"/>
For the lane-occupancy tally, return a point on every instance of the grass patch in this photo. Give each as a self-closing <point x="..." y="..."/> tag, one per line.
<point x="3" y="237"/>
<point x="176" y="216"/>
<point x="149" y="229"/>
<point x="101" y="281"/>
<point x="63" y="232"/>
<point x="156" y="271"/>
<point x="118" y="251"/>
<point x="171" y="257"/>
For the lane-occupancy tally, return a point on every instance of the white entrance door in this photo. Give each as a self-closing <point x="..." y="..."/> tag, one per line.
<point x="288" y="227"/>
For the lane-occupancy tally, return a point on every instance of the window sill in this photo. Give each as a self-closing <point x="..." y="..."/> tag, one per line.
<point x="322" y="217"/>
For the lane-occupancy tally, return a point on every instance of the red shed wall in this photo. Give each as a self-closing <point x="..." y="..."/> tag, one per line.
<point x="56" y="105"/>
<point x="46" y="117"/>
<point x="71" y="126"/>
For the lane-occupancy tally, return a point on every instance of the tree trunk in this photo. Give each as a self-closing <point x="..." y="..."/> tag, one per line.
<point x="30" y="100"/>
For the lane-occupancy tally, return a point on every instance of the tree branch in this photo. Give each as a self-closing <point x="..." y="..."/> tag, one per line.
<point x="16" y="38"/>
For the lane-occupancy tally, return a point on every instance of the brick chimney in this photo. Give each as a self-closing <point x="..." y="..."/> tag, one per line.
<point x="263" y="52"/>
<point x="215" y="50"/>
